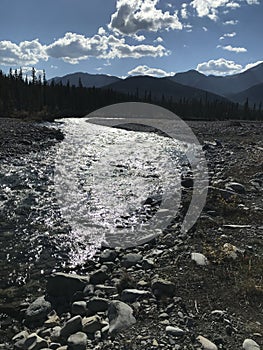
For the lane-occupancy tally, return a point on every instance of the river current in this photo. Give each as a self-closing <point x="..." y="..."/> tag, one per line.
<point x="95" y="187"/>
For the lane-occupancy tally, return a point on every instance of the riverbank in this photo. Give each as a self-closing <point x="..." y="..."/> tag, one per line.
<point x="19" y="137"/>
<point x="207" y="283"/>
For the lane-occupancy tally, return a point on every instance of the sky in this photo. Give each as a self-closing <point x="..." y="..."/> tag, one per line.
<point x="131" y="37"/>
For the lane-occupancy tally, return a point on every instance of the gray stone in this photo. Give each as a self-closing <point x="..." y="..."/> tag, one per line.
<point x="98" y="277"/>
<point x="199" y="258"/>
<point x="77" y="341"/>
<point x="147" y="264"/>
<point x="91" y="324"/>
<point x="120" y="316"/>
<point x="206" y="344"/>
<point x="79" y="308"/>
<point x="37" y="312"/>
<point x="72" y="326"/>
<point x="108" y="255"/>
<point x="97" y="304"/>
<point x="161" y="287"/>
<point x="131" y="295"/>
<point x="131" y="259"/>
<point x="34" y="342"/>
<point x="55" y="334"/>
<point x="176" y="331"/>
<point x="65" y="285"/>
<point x="250" y="344"/>
<point x="20" y="336"/>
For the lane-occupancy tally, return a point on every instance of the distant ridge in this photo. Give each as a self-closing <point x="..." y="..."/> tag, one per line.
<point x="224" y="86"/>
<point x="160" y="88"/>
<point x="190" y="84"/>
<point x="87" y="80"/>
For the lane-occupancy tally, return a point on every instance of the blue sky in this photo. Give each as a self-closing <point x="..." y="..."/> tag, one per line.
<point x="129" y="37"/>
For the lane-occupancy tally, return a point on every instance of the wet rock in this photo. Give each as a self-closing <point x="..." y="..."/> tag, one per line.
<point x="65" y="285"/>
<point x="250" y="344"/>
<point x="98" y="277"/>
<point x="199" y="258"/>
<point x="206" y="344"/>
<point x="37" y="312"/>
<point x="175" y="331"/>
<point x="131" y="295"/>
<point x="91" y="324"/>
<point x="131" y="259"/>
<point x="79" y="308"/>
<point x="77" y="341"/>
<point x="120" y="316"/>
<point x="72" y="326"/>
<point x="97" y="304"/>
<point x="162" y="287"/>
<point x="34" y="342"/>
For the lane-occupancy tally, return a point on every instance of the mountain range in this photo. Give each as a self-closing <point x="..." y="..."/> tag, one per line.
<point x="190" y="84"/>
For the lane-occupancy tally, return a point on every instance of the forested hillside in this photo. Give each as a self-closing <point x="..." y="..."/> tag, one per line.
<point x="35" y="99"/>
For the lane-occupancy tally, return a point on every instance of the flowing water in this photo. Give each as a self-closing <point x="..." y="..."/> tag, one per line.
<point x="97" y="186"/>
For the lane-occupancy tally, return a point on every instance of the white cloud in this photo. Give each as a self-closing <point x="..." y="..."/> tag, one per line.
<point x="188" y="27"/>
<point x="23" y="54"/>
<point x="223" y="67"/>
<point x="184" y="13"/>
<point x="132" y="16"/>
<point x="75" y="47"/>
<point x="101" y="31"/>
<point x="233" y="5"/>
<point x="220" y="66"/>
<point x="232" y="49"/>
<point x="154" y="72"/>
<point x="228" y="35"/>
<point x="138" y="37"/>
<point x="158" y="40"/>
<point x="205" y="29"/>
<point x="253" y="2"/>
<point x="208" y="7"/>
<point x="232" y="22"/>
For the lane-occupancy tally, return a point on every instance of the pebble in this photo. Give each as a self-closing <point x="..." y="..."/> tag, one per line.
<point x="206" y="344"/>
<point x="77" y="341"/>
<point x="250" y="344"/>
<point x="199" y="258"/>
<point x="176" y="331"/>
<point x="131" y="259"/>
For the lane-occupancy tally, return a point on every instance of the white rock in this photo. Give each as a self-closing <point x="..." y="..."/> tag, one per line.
<point x="250" y="344"/>
<point x="176" y="331"/>
<point x="199" y="258"/>
<point x="207" y="344"/>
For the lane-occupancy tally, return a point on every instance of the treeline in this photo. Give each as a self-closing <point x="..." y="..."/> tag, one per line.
<point x="34" y="98"/>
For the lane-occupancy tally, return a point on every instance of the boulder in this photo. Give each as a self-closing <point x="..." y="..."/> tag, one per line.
<point x="162" y="287"/>
<point x="120" y="316"/>
<point x="131" y="259"/>
<point x="97" y="304"/>
<point x="72" y="326"/>
<point x="131" y="295"/>
<point x="65" y="285"/>
<point x="37" y="312"/>
<point x="34" y="342"/>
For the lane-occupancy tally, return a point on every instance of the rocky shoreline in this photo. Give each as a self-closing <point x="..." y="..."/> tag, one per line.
<point x="201" y="290"/>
